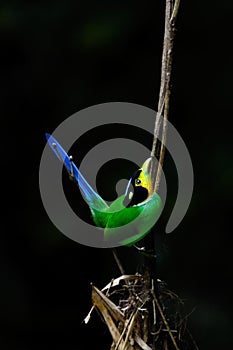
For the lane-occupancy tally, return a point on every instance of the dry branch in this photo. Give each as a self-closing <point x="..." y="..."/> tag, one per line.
<point x="125" y="317"/>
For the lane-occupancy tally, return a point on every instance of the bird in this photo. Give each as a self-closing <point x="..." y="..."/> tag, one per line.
<point x="131" y="216"/>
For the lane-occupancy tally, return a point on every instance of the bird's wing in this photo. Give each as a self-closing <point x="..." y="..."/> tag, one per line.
<point x="91" y="197"/>
<point x="120" y="227"/>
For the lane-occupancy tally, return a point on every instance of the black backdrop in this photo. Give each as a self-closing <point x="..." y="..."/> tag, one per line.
<point x="60" y="57"/>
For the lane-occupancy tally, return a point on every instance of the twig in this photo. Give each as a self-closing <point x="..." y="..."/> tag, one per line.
<point x="171" y="13"/>
<point x="98" y="302"/>
<point x="191" y="337"/>
<point x="118" y="262"/>
<point x="153" y="303"/>
<point x="127" y="329"/>
<point x="163" y="80"/>
<point x="141" y="343"/>
<point x="165" y="321"/>
<point x="101" y="301"/>
<point x="175" y="12"/>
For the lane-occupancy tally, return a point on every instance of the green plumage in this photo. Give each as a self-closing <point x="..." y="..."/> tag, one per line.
<point x="122" y="223"/>
<point x="119" y="222"/>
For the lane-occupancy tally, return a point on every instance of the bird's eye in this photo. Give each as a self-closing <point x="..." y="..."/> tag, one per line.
<point x="137" y="182"/>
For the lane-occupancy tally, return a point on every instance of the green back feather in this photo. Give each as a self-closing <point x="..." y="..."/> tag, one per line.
<point x="124" y="225"/>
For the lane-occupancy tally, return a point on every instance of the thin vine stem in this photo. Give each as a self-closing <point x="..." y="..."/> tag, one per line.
<point x="171" y="12"/>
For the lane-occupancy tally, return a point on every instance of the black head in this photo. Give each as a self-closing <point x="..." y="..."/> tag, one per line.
<point x="139" y="188"/>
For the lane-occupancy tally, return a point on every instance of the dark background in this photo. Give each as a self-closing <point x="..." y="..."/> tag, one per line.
<point x="59" y="57"/>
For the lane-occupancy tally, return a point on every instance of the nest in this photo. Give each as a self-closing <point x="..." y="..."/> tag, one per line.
<point x="139" y="317"/>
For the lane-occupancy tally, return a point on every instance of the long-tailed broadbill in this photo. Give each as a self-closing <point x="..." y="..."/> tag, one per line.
<point x="128" y="218"/>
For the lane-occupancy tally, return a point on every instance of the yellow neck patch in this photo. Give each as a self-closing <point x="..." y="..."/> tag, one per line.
<point x="144" y="180"/>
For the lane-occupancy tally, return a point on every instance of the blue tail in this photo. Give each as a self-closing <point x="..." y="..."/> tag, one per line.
<point x="92" y="198"/>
